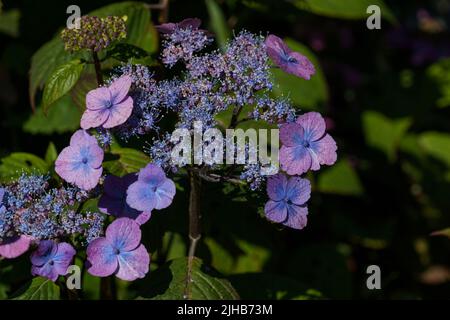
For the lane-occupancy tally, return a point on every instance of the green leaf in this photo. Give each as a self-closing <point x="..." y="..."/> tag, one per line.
<point x="17" y="163"/>
<point x="341" y="178"/>
<point x="439" y="72"/>
<point x="9" y="22"/>
<point x="436" y="144"/>
<point x="44" y="62"/>
<point x="306" y="94"/>
<point x="168" y="282"/>
<point x="51" y="154"/>
<point x="129" y="161"/>
<point x="40" y="289"/>
<point x="383" y="133"/>
<point x="60" y="82"/>
<point x="63" y="117"/>
<point x="344" y="9"/>
<point x="218" y="22"/>
<point x="86" y="83"/>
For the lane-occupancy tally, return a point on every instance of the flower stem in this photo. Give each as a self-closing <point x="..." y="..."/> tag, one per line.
<point x="98" y="68"/>
<point x="194" y="226"/>
<point x="108" y="288"/>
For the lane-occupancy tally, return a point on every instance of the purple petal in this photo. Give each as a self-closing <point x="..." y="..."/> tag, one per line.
<point x="313" y="124"/>
<point x="63" y="257"/>
<point x="276" y="211"/>
<point x="166" y="27"/>
<point x="81" y="175"/>
<point x="143" y="217"/>
<point x="325" y="149"/>
<point x="101" y="257"/>
<point x="295" y="160"/>
<point x="94" y="118"/>
<point x="299" y="190"/>
<point x="152" y="175"/>
<point x="46" y="271"/>
<point x="45" y="252"/>
<point x="82" y="138"/>
<point x="141" y="196"/>
<point x="119" y="113"/>
<point x="124" y="234"/>
<point x="276" y="49"/>
<point x="164" y="194"/>
<point x="98" y="99"/>
<point x="14" y="247"/>
<point x="2" y="193"/>
<point x="276" y="187"/>
<point x="291" y="134"/>
<point x="133" y="264"/>
<point x="193" y="23"/>
<point x="119" y="89"/>
<point x="297" y="217"/>
<point x="302" y="67"/>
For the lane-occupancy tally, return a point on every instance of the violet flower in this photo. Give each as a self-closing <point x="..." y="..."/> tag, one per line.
<point x="52" y="259"/>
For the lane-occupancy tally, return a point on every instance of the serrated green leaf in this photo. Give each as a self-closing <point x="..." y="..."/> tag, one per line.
<point x="63" y="117"/>
<point x="168" y="282"/>
<point x="17" y="163"/>
<point x="436" y="144"/>
<point x="305" y="94"/>
<point x="40" y="289"/>
<point x="344" y="9"/>
<point x="341" y="178"/>
<point x="218" y="22"/>
<point x="129" y="161"/>
<point x="383" y="133"/>
<point x="62" y="80"/>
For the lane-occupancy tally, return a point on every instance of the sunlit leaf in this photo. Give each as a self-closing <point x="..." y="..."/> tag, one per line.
<point x="341" y="178"/>
<point x="40" y="289"/>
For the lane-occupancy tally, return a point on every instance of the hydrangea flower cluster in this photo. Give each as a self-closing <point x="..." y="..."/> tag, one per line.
<point x="131" y="104"/>
<point x="94" y="33"/>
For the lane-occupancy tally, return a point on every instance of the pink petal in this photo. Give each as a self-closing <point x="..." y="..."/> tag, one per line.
<point x="291" y="134"/>
<point x="295" y="160"/>
<point x="133" y="264"/>
<point x="297" y="217"/>
<point x="119" y="89"/>
<point x="98" y="99"/>
<point x="101" y="258"/>
<point x="124" y="234"/>
<point x="313" y="124"/>
<point x="325" y="149"/>
<point x="303" y="68"/>
<point x="94" y="118"/>
<point x="275" y="211"/>
<point x="13" y="248"/>
<point x="119" y="113"/>
<point x="276" y="47"/>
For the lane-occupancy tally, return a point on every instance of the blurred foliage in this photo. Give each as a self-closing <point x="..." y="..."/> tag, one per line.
<point x="385" y="95"/>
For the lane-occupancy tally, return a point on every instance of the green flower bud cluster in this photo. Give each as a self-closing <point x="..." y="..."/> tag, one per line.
<point x="94" y="33"/>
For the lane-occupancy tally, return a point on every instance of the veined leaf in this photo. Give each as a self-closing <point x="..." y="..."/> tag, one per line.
<point x="17" y="163"/>
<point x="129" y="161"/>
<point x="40" y="289"/>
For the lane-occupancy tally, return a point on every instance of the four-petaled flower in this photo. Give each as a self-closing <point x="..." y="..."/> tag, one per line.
<point x="108" y="106"/>
<point x="288" y="197"/>
<point x="193" y="23"/>
<point x="81" y="162"/>
<point x="288" y="60"/>
<point x="305" y="145"/>
<point x="15" y="246"/>
<point x="120" y="252"/>
<point x="113" y="199"/>
<point x="51" y="259"/>
<point x="152" y="190"/>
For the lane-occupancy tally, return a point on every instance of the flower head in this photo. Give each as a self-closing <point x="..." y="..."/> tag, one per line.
<point x="288" y="60"/>
<point x="120" y="252"/>
<point x="108" y="106"/>
<point x="288" y="197"/>
<point x="306" y="146"/>
<point x="81" y="162"/>
<point x="14" y="247"/>
<point x="152" y="190"/>
<point x="51" y="259"/>
<point x="113" y="200"/>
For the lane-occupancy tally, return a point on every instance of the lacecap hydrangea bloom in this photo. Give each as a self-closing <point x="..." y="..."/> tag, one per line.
<point x="306" y="145"/>
<point x="120" y="252"/>
<point x="109" y="106"/>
